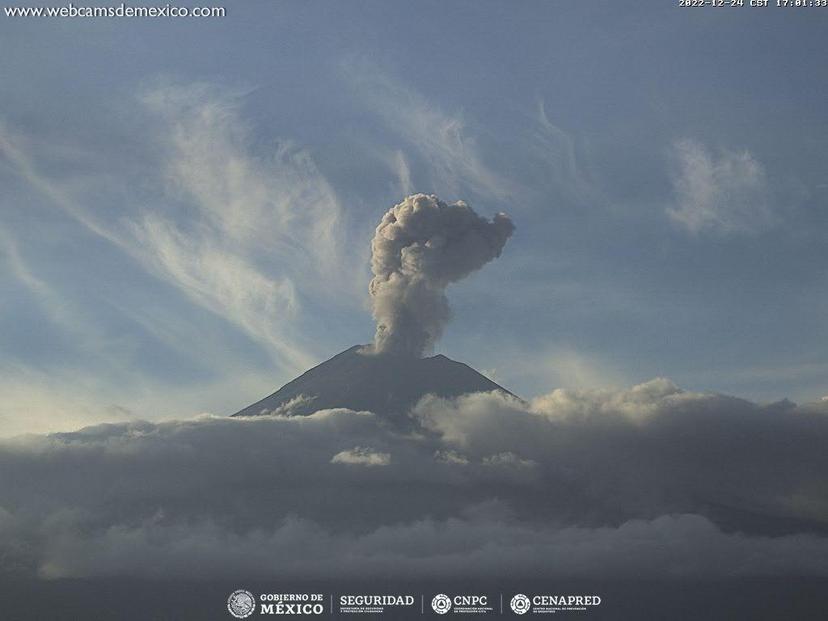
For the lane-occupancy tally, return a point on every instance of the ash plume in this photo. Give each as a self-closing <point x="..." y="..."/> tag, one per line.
<point x="421" y="246"/>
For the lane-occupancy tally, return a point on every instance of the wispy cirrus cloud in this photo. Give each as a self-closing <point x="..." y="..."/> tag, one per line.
<point x="440" y="139"/>
<point x="565" y="169"/>
<point x="261" y="231"/>
<point x="241" y="234"/>
<point x="724" y="193"/>
<point x="231" y="229"/>
<point x="279" y="202"/>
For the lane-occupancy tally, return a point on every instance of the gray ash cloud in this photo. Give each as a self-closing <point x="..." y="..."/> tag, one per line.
<point x="420" y="247"/>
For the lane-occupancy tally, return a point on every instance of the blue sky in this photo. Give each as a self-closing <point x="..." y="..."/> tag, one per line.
<point x="187" y="205"/>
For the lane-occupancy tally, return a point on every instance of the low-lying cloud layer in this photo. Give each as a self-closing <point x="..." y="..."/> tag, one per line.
<point x="647" y="481"/>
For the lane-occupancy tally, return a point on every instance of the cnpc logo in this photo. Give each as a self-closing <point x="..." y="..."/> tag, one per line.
<point x="442" y="603"/>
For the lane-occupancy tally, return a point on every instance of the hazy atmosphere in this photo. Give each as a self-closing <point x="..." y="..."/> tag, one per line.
<point x="188" y="207"/>
<point x="613" y="212"/>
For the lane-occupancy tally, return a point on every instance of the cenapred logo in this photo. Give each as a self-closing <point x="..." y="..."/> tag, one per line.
<point x="441" y="603"/>
<point x="520" y="604"/>
<point x="241" y="604"/>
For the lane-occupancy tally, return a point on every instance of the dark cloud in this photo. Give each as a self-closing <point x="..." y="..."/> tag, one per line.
<point x="647" y="481"/>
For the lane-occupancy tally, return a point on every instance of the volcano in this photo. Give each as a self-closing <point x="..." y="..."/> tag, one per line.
<point x="386" y="384"/>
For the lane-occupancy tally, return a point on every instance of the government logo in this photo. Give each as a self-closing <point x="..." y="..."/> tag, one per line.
<point x="241" y="604"/>
<point x="520" y="604"/>
<point x="441" y="604"/>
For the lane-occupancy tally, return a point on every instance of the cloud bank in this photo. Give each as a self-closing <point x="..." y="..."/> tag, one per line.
<point x="420" y="247"/>
<point x="649" y="481"/>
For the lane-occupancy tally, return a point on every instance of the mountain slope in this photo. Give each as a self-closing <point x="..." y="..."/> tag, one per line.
<point x="384" y="384"/>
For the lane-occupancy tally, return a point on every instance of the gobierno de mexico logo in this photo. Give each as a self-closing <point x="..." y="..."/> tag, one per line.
<point x="241" y="604"/>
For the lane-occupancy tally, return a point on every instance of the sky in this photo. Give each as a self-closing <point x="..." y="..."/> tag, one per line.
<point x="188" y="205"/>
